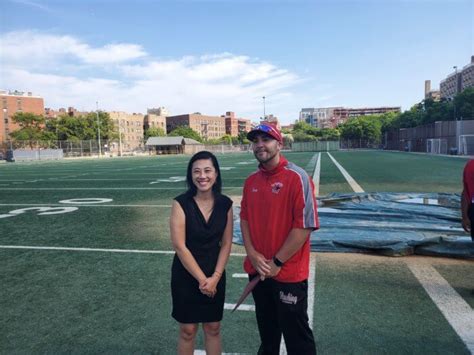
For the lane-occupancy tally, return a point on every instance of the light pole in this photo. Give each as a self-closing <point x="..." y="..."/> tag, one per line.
<point x="98" y="126"/>
<point x="455" y="89"/>
<point x="263" y="97"/>
<point x="5" y="122"/>
<point x="120" y="136"/>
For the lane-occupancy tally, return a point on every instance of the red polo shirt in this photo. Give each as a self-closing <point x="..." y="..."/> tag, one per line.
<point x="468" y="181"/>
<point x="273" y="203"/>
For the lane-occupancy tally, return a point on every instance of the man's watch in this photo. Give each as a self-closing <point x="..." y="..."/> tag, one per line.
<point x="277" y="262"/>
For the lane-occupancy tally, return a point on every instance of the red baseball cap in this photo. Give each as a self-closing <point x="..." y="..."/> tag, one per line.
<point x="267" y="129"/>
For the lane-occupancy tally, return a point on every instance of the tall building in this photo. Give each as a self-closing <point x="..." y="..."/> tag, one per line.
<point x="154" y="121"/>
<point x="331" y="117"/>
<point x="272" y="120"/>
<point x="160" y="111"/>
<point x="208" y="127"/>
<point x="13" y="102"/>
<point x="234" y="125"/>
<point x="434" y="95"/>
<point x="458" y="81"/>
<point x="316" y="116"/>
<point x="130" y="126"/>
<point x="467" y="80"/>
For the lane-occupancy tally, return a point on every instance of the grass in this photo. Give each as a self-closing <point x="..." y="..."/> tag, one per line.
<point x="401" y="172"/>
<point x="70" y="302"/>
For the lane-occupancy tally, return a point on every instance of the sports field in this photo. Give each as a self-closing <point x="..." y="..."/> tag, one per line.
<point x="85" y="260"/>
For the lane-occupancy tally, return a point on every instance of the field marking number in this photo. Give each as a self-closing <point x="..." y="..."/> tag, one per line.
<point x="44" y="211"/>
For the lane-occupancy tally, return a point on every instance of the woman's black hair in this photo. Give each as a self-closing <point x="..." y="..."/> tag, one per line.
<point x="203" y="155"/>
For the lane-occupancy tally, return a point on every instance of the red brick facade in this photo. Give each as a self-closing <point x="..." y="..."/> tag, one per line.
<point x="13" y="102"/>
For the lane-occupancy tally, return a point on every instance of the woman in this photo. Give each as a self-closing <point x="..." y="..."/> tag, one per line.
<point x="201" y="226"/>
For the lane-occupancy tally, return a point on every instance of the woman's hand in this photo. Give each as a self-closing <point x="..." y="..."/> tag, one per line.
<point x="209" y="286"/>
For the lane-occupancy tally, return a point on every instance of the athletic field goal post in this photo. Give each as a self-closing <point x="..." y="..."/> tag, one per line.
<point x="466" y="144"/>
<point x="437" y="146"/>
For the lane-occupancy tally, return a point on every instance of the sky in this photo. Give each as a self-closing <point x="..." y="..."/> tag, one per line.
<point x="214" y="56"/>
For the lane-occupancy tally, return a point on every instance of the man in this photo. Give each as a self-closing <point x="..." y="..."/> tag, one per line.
<point x="467" y="198"/>
<point x="278" y="212"/>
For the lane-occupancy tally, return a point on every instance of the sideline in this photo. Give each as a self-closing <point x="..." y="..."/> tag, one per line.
<point x="311" y="288"/>
<point x="316" y="175"/>
<point x="454" y="308"/>
<point x="354" y="185"/>
<point x="28" y="247"/>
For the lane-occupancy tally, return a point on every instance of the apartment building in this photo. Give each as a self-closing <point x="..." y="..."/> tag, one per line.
<point x="208" y="127"/>
<point x="234" y="125"/>
<point x="458" y="81"/>
<point x="154" y="121"/>
<point x="130" y="126"/>
<point x="273" y="120"/>
<point x="13" y="102"/>
<point x="316" y="116"/>
<point x="434" y="95"/>
<point x="331" y="117"/>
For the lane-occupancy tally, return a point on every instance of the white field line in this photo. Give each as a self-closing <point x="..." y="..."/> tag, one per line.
<point x="203" y="352"/>
<point x="240" y="276"/>
<point x="457" y="312"/>
<point x="316" y="175"/>
<point x="101" y="188"/>
<point x="354" y="185"/>
<point x="311" y="285"/>
<point x="242" y="307"/>
<point x="27" y="247"/>
<point x="79" y="205"/>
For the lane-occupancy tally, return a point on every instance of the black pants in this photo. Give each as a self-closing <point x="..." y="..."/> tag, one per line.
<point x="282" y="308"/>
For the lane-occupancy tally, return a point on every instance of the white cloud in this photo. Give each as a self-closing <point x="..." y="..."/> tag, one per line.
<point x="35" y="49"/>
<point x="69" y="72"/>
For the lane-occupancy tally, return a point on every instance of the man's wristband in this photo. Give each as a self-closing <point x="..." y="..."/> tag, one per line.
<point x="277" y="262"/>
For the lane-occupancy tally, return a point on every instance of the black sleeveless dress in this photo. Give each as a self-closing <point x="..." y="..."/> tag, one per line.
<point x="203" y="240"/>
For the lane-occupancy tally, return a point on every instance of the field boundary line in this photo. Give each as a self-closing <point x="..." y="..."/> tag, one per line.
<point x="139" y="251"/>
<point x="454" y="308"/>
<point x="77" y="205"/>
<point x="310" y="311"/>
<point x="354" y="185"/>
<point x="317" y="174"/>
<point x="102" y="188"/>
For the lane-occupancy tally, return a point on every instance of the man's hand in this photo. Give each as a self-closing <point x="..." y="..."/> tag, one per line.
<point x="274" y="270"/>
<point x="260" y="264"/>
<point x="466" y="224"/>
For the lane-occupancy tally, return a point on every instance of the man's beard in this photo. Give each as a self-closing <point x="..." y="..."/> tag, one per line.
<point x="265" y="160"/>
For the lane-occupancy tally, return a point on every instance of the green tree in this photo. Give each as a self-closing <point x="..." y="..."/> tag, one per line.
<point x="154" y="132"/>
<point x="186" y="132"/>
<point x="226" y="139"/>
<point x="31" y="127"/>
<point x="242" y="138"/>
<point x="83" y="127"/>
<point x="464" y="105"/>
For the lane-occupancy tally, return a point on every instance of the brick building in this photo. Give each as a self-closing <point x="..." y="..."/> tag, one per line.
<point x="130" y="126"/>
<point x="458" y="81"/>
<point x="13" y="102"/>
<point x="331" y="117"/>
<point x="234" y="125"/>
<point x="208" y="127"/>
<point x="154" y="121"/>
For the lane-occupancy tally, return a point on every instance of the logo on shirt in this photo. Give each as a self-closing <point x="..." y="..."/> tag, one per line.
<point x="254" y="189"/>
<point x="276" y="187"/>
<point x="288" y="299"/>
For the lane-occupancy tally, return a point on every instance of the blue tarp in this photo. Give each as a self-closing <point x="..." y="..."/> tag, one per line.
<point x="393" y="224"/>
